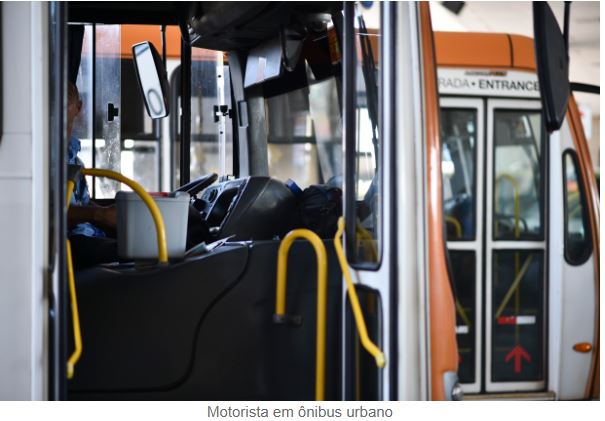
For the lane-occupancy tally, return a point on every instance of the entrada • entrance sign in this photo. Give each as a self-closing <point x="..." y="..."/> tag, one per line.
<point x="480" y="82"/>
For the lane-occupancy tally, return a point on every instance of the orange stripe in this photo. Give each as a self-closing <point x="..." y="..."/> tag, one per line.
<point x="444" y="349"/>
<point x="523" y="53"/>
<point x="484" y="50"/>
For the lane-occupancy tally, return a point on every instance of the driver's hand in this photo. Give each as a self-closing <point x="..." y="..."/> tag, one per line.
<point x="107" y="219"/>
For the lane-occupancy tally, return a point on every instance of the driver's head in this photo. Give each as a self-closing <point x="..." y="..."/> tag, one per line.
<point x="74" y="105"/>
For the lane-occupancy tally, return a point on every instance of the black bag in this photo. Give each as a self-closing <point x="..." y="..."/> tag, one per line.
<point x="320" y="207"/>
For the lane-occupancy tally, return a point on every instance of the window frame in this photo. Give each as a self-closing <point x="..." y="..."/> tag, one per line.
<point x="541" y="236"/>
<point x="477" y="109"/>
<point x="587" y="252"/>
<point x="479" y="105"/>
<point x="492" y="244"/>
<point x="349" y="94"/>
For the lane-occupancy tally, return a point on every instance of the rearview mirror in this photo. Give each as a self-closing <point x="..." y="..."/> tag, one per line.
<point x="552" y="62"/>
<point x="152" y="79"/>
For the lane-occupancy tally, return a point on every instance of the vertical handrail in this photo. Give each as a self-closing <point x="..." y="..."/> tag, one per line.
<point x="355" y="306"/>
<point x="458" y="227"/>
<point x="519" y="271"/>
<point x="75" y="315"/>
<point x="322" y="294"/>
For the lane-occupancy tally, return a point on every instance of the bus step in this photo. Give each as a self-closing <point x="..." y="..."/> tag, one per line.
<point x="523" y="396"/>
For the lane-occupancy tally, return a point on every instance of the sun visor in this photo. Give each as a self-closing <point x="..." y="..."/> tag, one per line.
<point x="264" y="62"/>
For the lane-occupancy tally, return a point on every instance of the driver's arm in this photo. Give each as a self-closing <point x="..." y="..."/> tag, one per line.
<point x="103" y="217"/>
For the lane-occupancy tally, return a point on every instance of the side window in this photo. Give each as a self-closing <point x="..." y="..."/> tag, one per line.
<point x="140" y="152"/>
<point x="99" y="82"/>
<point x="129" y="140"/>
<point x="211" y="129"/>
<point x="367" y="178"/>
<point x="292" y="146"/>
<point x="459" y="136"/>
<point x="304" y="125"/>
<point x="578" y="244"/>
<point x="518" y="178"/>
<point x="211" y="148"/>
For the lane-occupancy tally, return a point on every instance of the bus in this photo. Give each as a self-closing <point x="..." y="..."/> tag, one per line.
<point x="456" y="228"/>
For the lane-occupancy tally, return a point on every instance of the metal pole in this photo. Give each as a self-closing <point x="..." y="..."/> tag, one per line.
<point x="185" y="112"/>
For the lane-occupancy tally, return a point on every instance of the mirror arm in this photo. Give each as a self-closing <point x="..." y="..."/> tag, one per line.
<point x="585" y="87"/>
<point x="566" y="26"/>
<point x="185" y="32"/>
<point x="163" y="32"/>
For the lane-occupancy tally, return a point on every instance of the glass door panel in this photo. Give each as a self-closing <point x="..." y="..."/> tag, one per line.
<point x="515" y="246"/>
<point x="462" y="137"/>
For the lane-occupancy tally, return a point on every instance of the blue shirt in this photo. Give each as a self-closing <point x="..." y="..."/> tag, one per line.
<point x="80" y="196"/>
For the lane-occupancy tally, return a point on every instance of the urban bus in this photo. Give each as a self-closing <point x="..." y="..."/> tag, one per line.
<point x="466" y="262"/>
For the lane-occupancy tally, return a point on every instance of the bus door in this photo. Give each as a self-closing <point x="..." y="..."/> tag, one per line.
<point x="515" y="247"/>
<point x="392" y="213"/>
<point x="493" y="164"/>
<point x="364" y="201"/>
<point x="463" y="142"/>
<point x="573" y="287"/>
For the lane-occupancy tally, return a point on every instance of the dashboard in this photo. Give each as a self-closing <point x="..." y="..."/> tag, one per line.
<point x="250" y="208"/>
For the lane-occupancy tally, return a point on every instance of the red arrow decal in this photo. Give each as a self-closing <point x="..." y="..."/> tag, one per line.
<point x="517" y="353"/>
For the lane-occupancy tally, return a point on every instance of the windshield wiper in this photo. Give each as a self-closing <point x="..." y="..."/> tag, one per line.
<point x="368" y="68"/>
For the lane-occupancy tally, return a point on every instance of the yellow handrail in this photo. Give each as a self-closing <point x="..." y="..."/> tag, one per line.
<point x="519" y="272"/>
<point x="514" y="286"/>
<point x="70" y="190"/>
<point x="75" y="356"/>
<point x="458" y="226"/>
<point x="153" y="208"/>
<point x="322" y="298"/>
<point x="452" y="220"/>
<point x="75" y="316"/>
<point x="162" y="251"/>
<point x="357" y="313"/>
<point x="367" y="243"/>
<point x="462" y="313"/>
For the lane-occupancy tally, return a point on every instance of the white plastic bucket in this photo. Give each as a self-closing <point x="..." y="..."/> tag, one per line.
<point x="137" y="235"/>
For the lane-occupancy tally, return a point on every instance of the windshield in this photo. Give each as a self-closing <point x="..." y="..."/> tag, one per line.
<point x="305" y="132"/>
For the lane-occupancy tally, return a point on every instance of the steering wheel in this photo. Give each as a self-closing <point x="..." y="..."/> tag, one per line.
<point x="199" y="184"/>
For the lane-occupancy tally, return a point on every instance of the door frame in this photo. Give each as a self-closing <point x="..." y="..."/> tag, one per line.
<point x="475" y="245"/>
<point x="492" y="245"/>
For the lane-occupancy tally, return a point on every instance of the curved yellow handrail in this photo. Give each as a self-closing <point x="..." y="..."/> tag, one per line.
<point x="153" y="208"/>
<point x="75" y="316"/>
<point x="162" y="251"/>
<point x="452" y="220"/>
<point x="515" y="185"/>
<point x="357" y="313"/>
<point x="322" y="298"/>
